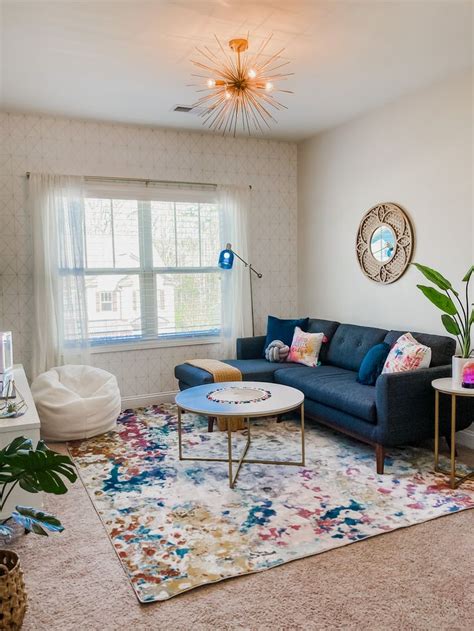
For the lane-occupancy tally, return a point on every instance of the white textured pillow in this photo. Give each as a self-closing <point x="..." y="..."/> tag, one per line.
<point x="407" y="354"/>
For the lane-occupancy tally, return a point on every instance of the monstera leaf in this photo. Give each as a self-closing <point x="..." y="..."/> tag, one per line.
<point x="36" y="520"/>
<point x="8" y="471"/>
<point x="35" y="470"/>
<point x="5" y="531"/>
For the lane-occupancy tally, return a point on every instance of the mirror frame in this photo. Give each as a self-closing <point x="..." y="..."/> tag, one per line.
<point x="393" y="216"/>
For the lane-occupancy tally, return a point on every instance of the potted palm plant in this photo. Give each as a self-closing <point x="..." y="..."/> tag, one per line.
<point x="34" y="470"/>
<point x="458" y="313"/>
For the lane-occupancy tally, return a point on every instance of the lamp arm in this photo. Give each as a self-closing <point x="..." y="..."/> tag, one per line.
<point x="246" y="263"/>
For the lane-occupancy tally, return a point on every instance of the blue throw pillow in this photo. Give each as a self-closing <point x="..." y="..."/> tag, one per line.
<point x="372" y="364"/>
<point x="283" y="330"/>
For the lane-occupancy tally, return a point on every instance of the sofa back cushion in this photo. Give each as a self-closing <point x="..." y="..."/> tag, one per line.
<point x="283" y="330"/>
<point x="442" y="346"/>
<point x="328" y="327"/>
<point x="350" y="344"/>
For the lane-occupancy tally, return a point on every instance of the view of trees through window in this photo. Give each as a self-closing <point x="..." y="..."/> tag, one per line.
<point x="151" y="268"/>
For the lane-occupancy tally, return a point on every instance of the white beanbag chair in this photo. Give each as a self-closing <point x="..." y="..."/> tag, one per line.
<point x="76" y="402"/>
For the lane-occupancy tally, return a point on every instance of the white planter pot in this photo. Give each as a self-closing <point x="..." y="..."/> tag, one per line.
<point x="458" y="365"/>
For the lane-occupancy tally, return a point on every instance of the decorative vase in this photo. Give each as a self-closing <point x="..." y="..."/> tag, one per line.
<point x="468" y="374"/>
<point x="458" y="367"/>
<point x="12" y="591"/>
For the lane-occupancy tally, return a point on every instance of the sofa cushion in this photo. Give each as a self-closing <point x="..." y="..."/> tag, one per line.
<point x="305" y="348"/>
<point x="328" y="327"/>
<point x="251" y="369"/>
<point x="350" y="344"/>
<point x="332" y="386"/>
<point x="442" y="346"/>
<point x="283" y="330"/>
<point x="372" y="364"/>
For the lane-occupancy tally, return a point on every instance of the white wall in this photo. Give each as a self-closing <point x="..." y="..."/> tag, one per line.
<point x="65" y="146"/>
<point x="416" y="152"/>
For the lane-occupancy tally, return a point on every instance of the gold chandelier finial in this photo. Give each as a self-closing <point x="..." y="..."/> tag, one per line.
<point x="239" y="90"/>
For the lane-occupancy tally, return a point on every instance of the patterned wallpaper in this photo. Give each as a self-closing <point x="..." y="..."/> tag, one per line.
<point x="65" y="146"/>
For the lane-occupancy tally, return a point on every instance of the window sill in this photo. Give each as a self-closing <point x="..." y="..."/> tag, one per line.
<point x="148" y="345"/>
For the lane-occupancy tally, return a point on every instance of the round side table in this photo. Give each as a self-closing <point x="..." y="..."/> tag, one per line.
<point x="445" y="386"/>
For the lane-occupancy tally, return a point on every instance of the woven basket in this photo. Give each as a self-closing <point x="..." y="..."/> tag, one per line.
<point x="12" y="591"/>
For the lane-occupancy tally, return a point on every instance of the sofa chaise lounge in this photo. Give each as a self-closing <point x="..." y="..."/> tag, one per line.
<point x="398" y="410"/>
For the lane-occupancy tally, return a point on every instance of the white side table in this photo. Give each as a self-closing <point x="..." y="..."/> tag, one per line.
<point x="28" y="426"/>
<point x="445" y="386"/>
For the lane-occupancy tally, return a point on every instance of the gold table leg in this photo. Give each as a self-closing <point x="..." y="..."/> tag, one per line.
<point x="302" y="435"/>
<point x="180" y="441"/>
<point x="229" y="452"/>
<point x="436" y="437"/>
<point x="230" y="460"/>
<point x="455" y="479"/>
<point x="452" y="481"/>
<point x="232" y="477"/>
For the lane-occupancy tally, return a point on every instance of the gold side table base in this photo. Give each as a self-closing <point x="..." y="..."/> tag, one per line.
<point x="455" y="478"/>
<point x="240" y="461"/>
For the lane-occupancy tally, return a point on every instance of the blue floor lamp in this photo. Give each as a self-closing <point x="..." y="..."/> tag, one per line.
<point x="226" y="261"/>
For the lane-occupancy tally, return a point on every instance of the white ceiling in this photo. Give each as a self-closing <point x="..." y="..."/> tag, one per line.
<point x="128" y="60"/>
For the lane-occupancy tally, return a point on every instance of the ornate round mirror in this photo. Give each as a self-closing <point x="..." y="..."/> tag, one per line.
<point x="384" y="243"/>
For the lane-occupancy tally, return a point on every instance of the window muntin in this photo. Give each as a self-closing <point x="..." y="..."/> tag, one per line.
<point x="156" y="261"/>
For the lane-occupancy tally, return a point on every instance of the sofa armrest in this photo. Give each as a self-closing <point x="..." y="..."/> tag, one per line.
<point x="250" y="347"/>
<point x="405" y="405"/>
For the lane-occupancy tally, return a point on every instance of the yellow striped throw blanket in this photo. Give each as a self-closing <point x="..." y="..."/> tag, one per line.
<point x="221" y="372"/>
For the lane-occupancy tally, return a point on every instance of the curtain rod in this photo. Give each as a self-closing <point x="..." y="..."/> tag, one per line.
<point x="145" y="181"/>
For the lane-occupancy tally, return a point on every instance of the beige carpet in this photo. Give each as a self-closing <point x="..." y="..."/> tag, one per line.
<point x="416" y="578"/>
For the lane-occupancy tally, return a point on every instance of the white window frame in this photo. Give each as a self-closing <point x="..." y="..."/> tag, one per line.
<point x="147" y="272"/>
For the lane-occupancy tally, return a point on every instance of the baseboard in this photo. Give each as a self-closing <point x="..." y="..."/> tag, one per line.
<point x="466" y="438"/>
<point x="143" y="400"/>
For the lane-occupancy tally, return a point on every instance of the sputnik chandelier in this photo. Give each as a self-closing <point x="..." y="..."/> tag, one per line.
<point x="239" y="87"/>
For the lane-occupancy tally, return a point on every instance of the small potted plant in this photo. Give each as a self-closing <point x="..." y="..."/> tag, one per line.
<point x="34" y="470"/>
<point x="458" y="313"/>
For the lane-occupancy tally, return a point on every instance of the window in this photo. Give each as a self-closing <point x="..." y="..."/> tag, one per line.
<point x="151" y="266"/>
<point x="106" y="301"/>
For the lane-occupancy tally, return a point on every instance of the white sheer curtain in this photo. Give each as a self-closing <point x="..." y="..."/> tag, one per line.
<point x="236" y="311"/>
<point x="60" y="314"/>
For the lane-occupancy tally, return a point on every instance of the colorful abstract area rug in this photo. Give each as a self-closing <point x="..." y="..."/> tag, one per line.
<point x="177" y="525"/>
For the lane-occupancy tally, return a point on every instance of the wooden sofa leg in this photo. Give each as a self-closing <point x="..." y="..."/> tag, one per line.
<point x="210" y="423"/>
<point x="380" y="457"/>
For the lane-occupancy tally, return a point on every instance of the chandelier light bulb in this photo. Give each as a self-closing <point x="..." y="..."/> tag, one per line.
<point x="211" y="83"/>
<point x="228" y="95"/>
<point x="269" y="86"/>
<point x="252" y="74"/>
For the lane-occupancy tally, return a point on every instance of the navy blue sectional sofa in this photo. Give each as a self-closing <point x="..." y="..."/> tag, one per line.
<point x="398" y="410"/>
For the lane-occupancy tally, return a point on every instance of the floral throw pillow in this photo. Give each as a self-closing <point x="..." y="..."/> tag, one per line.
<point x="407" y="354"/>
<point x="305" y="348"/>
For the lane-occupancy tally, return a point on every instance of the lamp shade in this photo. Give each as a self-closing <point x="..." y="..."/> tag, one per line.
<point x="226" y="258"/>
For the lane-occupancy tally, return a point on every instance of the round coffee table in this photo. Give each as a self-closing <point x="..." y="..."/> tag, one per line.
<point x="250" y="399"/>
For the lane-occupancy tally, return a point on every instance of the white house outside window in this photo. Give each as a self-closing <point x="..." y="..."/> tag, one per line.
<point x="151" y="264"/>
